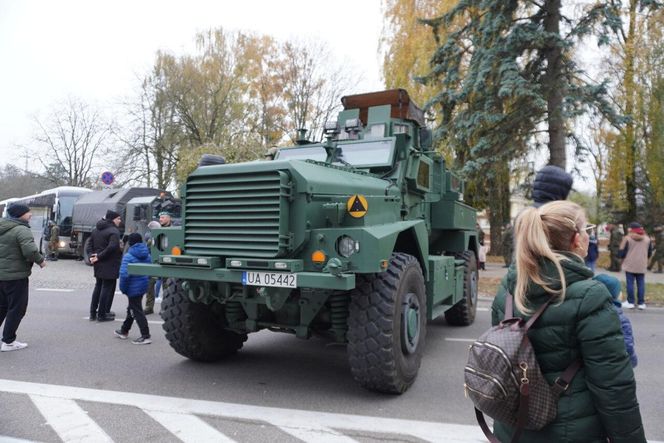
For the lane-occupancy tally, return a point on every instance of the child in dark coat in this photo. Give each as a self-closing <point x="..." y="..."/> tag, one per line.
<point x="613" y="285"/>
<point x="134" y="286"/>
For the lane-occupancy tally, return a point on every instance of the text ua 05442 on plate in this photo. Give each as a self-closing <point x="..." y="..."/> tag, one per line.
<point x="274" y="279"/>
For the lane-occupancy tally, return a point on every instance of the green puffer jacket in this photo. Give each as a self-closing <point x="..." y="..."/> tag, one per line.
<point x="601" y="400"/>
<point x="18" y="250"/>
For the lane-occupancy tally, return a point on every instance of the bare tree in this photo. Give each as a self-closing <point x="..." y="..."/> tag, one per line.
<point x="313" y="87"/>
<point x="595" y="137"/>
<point x="152" y="137"/>
<point x="72" y="138"/>
<point x="15" y="182"/>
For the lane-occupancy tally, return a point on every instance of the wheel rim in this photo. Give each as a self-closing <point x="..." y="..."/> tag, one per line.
<point x="473" y="288"/>
<point x="410" y="323"/>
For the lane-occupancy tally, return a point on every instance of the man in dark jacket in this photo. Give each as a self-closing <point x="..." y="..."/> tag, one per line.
<point x="105" y="255"/>
<point x="592" y="254"/>
<point x="615" y="238"/>
<point x="165" y="221"/>
<point x="18" y="252"/>
<point x="551" y="183"/>
<point x="53" y="241"/>
<point x="658" y="255"/>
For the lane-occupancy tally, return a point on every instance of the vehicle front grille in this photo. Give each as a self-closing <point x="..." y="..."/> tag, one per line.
<point x="237" y="215"/>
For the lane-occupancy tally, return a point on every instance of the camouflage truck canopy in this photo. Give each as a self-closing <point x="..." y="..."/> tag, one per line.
<point x="91" y="207"/>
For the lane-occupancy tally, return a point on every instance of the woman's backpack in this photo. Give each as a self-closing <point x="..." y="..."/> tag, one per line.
<point x="504" y="381"/>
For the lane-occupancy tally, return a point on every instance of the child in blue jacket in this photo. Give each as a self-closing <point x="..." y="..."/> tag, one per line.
<point x="134" y="286"/>
<point x="613" y="285"/>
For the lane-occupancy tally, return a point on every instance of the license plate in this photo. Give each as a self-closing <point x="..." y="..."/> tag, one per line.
<point x="274" y="279"/>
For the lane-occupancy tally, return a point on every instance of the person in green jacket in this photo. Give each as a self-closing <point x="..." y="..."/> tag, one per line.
<point x="18" y="252"/>
<point x="508" y="244"/>
<point x="600" y="404"/>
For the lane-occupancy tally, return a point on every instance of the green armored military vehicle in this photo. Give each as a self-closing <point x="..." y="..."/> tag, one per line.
<point x="362" y="238"/>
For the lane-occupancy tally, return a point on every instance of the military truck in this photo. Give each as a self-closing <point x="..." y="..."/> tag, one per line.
<point x="361" y="238"/>
<point x="136" y="206"/>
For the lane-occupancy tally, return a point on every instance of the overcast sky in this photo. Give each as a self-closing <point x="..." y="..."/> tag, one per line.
<point x="95" y="50"/>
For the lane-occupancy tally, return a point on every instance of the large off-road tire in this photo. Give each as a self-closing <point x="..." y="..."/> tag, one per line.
<point x="193" y="329"/>
<point x="463" y="312"/>
<point x="387" y="326"/>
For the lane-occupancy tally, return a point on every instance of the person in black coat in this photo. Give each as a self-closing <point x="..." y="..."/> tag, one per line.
<point x="105" y="255"/>
<point x="551" y="183"/>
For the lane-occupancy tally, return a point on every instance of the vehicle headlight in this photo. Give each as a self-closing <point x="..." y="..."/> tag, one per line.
<point x="346" y="246"/>
<point x="162" y="242"/>
<point x="62" y="244"/>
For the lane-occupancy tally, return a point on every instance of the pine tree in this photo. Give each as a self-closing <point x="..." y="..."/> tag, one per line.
<point x="509" y="74"/>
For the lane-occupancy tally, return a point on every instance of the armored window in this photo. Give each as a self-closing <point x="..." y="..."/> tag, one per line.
<point x="423" y="175"/>
<point x="400" y="129"/>
<point x="377" y="131"/>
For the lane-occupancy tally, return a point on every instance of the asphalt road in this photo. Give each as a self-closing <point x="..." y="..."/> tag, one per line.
<point x="277" y="388"/>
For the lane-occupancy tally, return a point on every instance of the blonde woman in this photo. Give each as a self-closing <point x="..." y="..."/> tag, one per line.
<point x="579" y="324"/>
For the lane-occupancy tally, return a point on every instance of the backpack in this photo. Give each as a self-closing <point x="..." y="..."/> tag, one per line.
<point x="504" y="381"/>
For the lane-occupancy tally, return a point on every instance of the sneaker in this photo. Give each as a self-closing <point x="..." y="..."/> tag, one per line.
<point x="122" y="335"/>
<point x="105" y="317"/>
<point x="93" y="317"/>
<point x="13" y="346"/>
<point x="642" y="306"/>
<point x="144" y="340"/>
<point x="627" y="305"/>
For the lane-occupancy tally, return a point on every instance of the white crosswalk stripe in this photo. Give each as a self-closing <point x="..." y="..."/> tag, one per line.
<point x="319" y="435"/>
<point x="68" y="420"/>
<point x="189" y="428"/>
<point x="13" y="440"/>
<point x="180" y="417"/>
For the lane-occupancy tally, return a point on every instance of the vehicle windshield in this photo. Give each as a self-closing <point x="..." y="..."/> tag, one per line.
<point x="358" y="154"/>
<point x="64" y="214"/>
<point x="309" y="153"/>
<point x="66" y="208"/>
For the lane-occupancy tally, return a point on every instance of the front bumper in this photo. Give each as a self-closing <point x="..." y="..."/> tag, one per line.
<point x="313" y="280"/>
